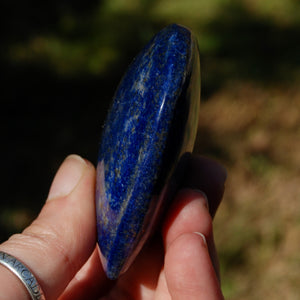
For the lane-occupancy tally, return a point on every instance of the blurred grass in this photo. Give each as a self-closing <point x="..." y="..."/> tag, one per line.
<point x="60" y="64"/>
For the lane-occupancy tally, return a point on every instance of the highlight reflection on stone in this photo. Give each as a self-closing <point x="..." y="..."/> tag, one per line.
<point x="152" y="122"/>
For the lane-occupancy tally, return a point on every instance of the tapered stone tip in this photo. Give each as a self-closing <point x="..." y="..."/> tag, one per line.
<point x="152" y="121"/>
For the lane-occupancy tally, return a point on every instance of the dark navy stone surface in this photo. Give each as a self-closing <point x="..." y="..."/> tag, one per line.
<point x="151" y="123"/>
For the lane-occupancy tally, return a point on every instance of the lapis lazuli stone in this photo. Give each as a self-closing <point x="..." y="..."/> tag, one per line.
<point x="152" y="122"/>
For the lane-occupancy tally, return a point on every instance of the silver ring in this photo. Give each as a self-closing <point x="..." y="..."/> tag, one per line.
<point x="23" y="273"/>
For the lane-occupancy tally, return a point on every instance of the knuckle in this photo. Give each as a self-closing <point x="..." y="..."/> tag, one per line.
<point x="47" y="243"/>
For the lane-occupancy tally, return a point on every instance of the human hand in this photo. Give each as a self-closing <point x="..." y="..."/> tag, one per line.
<point x="59" y="247"/>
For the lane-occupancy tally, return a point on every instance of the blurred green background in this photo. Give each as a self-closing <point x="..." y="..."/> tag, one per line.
<point x="61" y="62"/>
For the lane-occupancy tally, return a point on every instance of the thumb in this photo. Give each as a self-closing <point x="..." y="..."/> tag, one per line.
<point x="60" y="240"/>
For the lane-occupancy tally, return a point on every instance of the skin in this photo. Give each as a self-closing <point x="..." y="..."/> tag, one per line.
<point x="59" y="247"/>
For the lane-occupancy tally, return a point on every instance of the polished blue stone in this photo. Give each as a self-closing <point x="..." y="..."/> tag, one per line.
<point x="151" y="123"/>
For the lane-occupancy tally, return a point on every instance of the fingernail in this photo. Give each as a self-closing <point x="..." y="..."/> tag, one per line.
<point x="203" y="197"/>
<point x="203" y="237"/>
<point x="67" y="176"/>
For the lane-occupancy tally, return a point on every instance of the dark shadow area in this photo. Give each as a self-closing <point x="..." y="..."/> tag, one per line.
<point x="22" y="19"/>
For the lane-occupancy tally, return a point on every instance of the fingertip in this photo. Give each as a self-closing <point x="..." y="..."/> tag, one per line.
<point x="206" y="175"/>
<point x="189" y="271"/>
<point x="68" y="176"/>
<point x="189" y="213"/>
